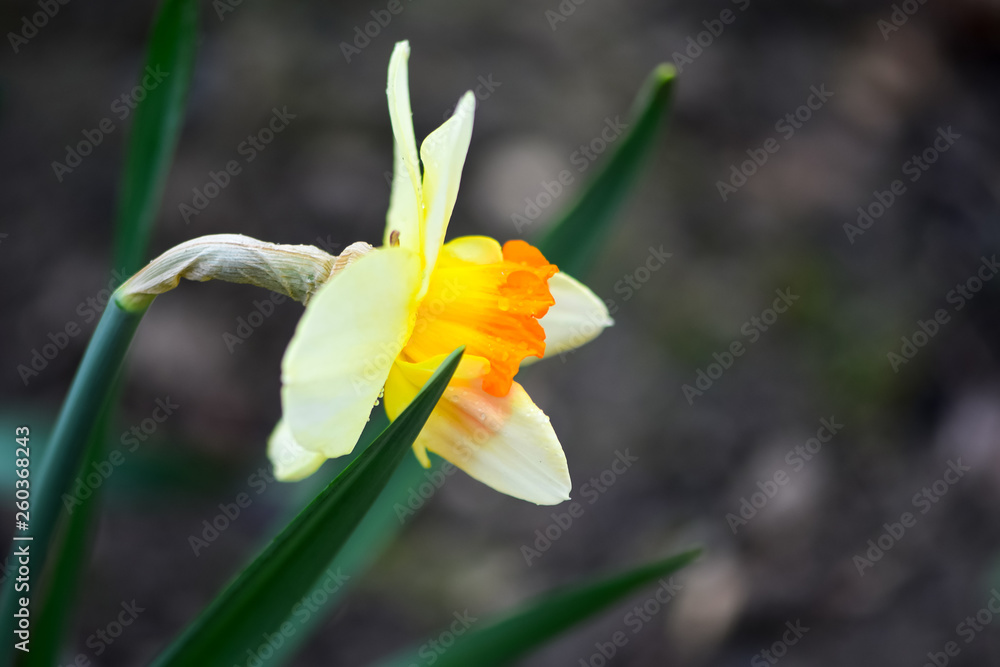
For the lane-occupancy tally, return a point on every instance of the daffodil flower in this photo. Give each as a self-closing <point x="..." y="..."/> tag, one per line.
<point x="387" y="320"/>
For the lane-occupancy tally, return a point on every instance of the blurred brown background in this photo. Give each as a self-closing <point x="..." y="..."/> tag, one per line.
<point x="547" y="87"/>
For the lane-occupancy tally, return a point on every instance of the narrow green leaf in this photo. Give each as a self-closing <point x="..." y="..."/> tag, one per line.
<point x="262" y="596"/>
<point x="573" y="241"/>
<point x="370" y="539"/>
<point x="505" y="640"/>
<point x="362" y="550"/>
<point x="155" y="130"/>
<point x="374" y="534"/>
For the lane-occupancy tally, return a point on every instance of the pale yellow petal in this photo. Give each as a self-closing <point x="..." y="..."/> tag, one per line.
<point x="506" y="443"/>
<point x="403" y="215"/>
<point x="405" y="200"/>
<point x="291" y="461"/>
<point x="443" y="154"/>
<point x="345" y="344"/>
<point x="578" y="317"/>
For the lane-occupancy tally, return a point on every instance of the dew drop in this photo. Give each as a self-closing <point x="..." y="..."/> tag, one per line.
<point x="503" y="303"/>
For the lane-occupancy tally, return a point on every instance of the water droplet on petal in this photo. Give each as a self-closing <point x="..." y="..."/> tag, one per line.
<point x="503" y="303"/>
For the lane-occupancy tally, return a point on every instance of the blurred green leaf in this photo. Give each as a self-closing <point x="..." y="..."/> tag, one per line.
<point x="152" y="141"/>
<point x="263" y="595"/>
<point x="505" y="640"/>
<point x="574" y="240"/>
<point x="370" y="539"/>
<point x="156" y="128"/>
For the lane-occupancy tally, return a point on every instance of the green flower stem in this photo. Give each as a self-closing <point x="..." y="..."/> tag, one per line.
<point x="67" y="447"/>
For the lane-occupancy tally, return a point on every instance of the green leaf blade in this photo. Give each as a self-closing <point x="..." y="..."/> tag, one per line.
<point x="540" y="620"/>
<point x="575" y="239"/>
<point x="368" y="542"/>
<point x="153" y="138"/>
<point x="156" y="129"/>
<point x="262" y="596"/>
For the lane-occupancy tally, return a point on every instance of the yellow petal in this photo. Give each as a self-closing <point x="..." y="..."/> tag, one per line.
<point x="443" y="154"/>
<point x="291" y="462"/>
<point x="345" y="343"/>
<point x="475" y="249"/>
<point x="506" y="443"/>
<point x="578" y="317"/>
<point x="405" y="200"/>
<point x="405" y="379"/>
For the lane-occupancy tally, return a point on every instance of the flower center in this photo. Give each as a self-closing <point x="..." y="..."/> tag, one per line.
<point x="492" y="308"/>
